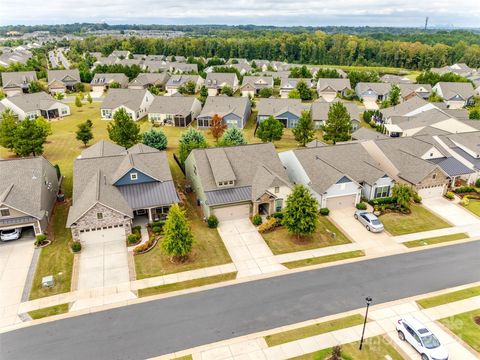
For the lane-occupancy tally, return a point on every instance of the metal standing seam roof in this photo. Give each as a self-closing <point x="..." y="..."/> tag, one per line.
<point x="228" y="196"/>
<point x="467" y="156"/>
<point x="452" y="166"/>
<point x="141" y="196"/>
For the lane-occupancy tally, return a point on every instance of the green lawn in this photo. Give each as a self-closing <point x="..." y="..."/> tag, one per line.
<point x="162" y="289"/>
<point x="435" y="240"/>
<point x="419" y="220"/>
<point x="186" y="357"/>
<point x="379" y="69"/>
<point x="55" y="259"/>
<point x="312" y="330"/>
<point x="374" y="348"/>
<point x="49" y="311"/>
<point x="324" y="259"/>
<point x="474" y="206"/>
<point x="449" y="297"/>
<point x="466" y="326"/>
<point x="281" y="241"/>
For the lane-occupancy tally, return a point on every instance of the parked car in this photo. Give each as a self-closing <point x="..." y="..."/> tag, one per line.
<point x="370" y="221"/>
<point x="10" y="234"/>
<point x="417" y="334"/>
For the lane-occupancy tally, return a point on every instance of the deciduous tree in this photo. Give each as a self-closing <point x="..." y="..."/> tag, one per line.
<point x="217" y="127"/>
<point x="123" y="130"/>
<point x="270" y="129"/>
<point x="304" y="131"/>
<point x="84" y="133"/>
<point x="300" y="214"/>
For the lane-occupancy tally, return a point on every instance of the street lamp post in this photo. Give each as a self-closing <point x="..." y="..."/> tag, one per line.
<point x="368" y="299"/>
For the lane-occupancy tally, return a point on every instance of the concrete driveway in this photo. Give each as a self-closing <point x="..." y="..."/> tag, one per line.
<point x="450" y="211"/>
<point x="103" y="260"/>
<point x="372" y="243"/>
<point x="249" y="252"/>
<point x="15" y="259"/>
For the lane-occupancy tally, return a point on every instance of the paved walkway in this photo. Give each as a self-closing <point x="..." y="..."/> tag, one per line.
<point x="249" y="252"/>
<point x="450" y="211"/>
<point x="383" y="320"/>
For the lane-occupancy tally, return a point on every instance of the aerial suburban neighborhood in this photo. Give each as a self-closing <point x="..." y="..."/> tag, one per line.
<point x="239" y="191"/>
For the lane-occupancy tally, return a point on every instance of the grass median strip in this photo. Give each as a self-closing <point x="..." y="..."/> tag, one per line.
<point x="162" y="289"/>
<point x="449" y="297"/>
<point x="312" y="330"/>
<point x="324" y="259"/>
<point x="435" y="240"/>
<point x="466" y="326"/>
<point x="48" y="311"/>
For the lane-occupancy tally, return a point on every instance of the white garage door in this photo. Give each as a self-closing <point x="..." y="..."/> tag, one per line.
<point x="102" y="235"/>
<point x="431" y="192"/>
<point x="341" y="202"/>
<point x="232" y="212"/>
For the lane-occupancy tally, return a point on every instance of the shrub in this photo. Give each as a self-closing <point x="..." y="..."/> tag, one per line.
<point x="465" y="201"/>
<point x="464" y="189"/>
<point x="136" y="229"/>
<point x="361" y="206"/>
<point x="278" y="215"/>
<point x="76" y="246"/>
<point x="477" y="183"/>
<point x="132" y="238"/>
<point x="157" y="229"/>
<point x="383" y="200"/>
<point x="158" y="223"/>
<point x="257" y="220"/>
<point x="145" y="246"/>
<point x="450" y="195"/>
<point x="40" y="239"/>
<point x="417" y="199"/>
<point x="324" y="211"/>
<point x="268" y="225"/>
<point x="212" y="221"/>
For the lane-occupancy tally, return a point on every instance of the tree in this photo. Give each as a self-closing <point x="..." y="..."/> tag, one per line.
<point x="327" y="74"/>
<point x="226" y="90"/>
<point x="114" y="85"/>
<point x="84" y="133"/>
<point x="89" y="99"/>
<point x="29" y="138"/>
<point x="217" y="127"/>
<point x="434" y="97"/>
<point x="300" y="214"/>
<point x="34" y="87"/>
<point x="294" y="94"/>
<point x="265" y="92"/>
<point x="394" y="95"/>
<point x="45" y="125"/>
<point x="189" y="140"/>
<point x="78" y="102"/>
<point x="270" y="129"/>
<point x="356" y="76"/>
<point x="188" y="88"/>
<point x="155" y="139"/>
<point x="177" y="236"/>
<point x="474" y="114"/>
<point x="8" y="127"/>
<point x="304" y="90"/>
<point x="304" y="131"/>
<point x="232" y="137"/>
<point x="404" y="194"/>
<point x="300" y="72"/>
<point x="204" y="92"/>
<point x="338" y="125"/>
<point x="123" y="130"/>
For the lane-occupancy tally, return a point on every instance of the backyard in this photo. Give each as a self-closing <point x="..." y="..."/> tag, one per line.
<point x="281" y="241"/>
<point x="420" y="219"/>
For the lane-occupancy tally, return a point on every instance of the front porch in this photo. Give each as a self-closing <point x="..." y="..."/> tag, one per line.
<point x="151" y="214"/>
<point x="267" y="205"/>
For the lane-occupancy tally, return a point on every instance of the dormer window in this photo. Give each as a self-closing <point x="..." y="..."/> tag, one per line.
<point x="5" y="212"/>
<point x="277" y="189"/>
<point x="100" y="216"/>
<point x="434" y="176"/>
<point x="134" y="176"/>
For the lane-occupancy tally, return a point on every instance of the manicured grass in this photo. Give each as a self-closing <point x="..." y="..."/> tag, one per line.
<point x="374" y="348"/>
<point x="49" y="311"/>
<point x="474" y="206"/>
<point x="55" y="259"/>
<point x="312" y="330"/>
<point x="281" y="241"/>
<point x="186" y="357"/>
<point x="324" y="259"/>
<point x="419" y="220"/>
<point x="466" y="326"/>
<point x="208" y="250"/>
<point x="162" y="289"/>
<point x="435" y="240"/>
<point x="449" y="297"/>
<point x="379" y="69"/>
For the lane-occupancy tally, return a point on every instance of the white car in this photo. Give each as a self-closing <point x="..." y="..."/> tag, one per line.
<point x="369" y="220"/>
<point x="10" y="234"/>
<point x="416" y="334"/>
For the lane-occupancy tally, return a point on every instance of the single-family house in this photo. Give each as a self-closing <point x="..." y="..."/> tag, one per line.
<point x="31" y="106"/>
<point x="135" y="102"/>
<point x="234" y="111"/>
<point x="177" y="81"/>
<point x="372" y="92"/>
<point x="60" y="81"/>
<point x="182" y="68"/>
<point x="320" y="109"/>
<point x="461" y="69"/>
<point x="16" y="82"/>
<point x="239" y="181"/>
<point x="287" y="111"/>
<point x="328" y="89"/>
<point x="260" y="65"/>
<point x="145" y="80"/>
<point x="251" y="85"/>
<point x="28" y="192"/>
<point x="101" y="82"/>
<point x="395" y="79"/>
<point x="455" y="94"/>
<point x="288" y="84"/>
<point x="174" y="110"/>
<point x="113" y="185"/>
<point x="216" y="81"/>
<point x="407" y="91"/>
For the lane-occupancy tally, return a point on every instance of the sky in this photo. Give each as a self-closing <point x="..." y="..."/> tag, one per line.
<point x="400" y="13"/>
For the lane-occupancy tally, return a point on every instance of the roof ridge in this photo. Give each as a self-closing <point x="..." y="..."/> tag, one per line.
<point x="4" y="195"/>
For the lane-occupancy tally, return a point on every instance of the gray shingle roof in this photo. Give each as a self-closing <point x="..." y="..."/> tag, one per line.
<point x="179" y="80"/>
<point x="218" y="80"/>
<point x="258" y="82"/>
<point x="146" y="79"/>
<point x="367" y="134"/>
<point x="337" y="85"/>
<point x="404" y="108"/>
<point x="292" y="82"/>
<point x="451" y="89"/>
<point x="277" y="106"/>
<point x="177" y="105"/>
<point x="60" y="75"/>
<point x="101" y="79"/>
<point x="379" y="88"/>
<point x="18" y="78"/>
<point x="407" y="89"/>
<point x="320" y="110"/>
<point x="32" y="102"/>
<point x="223" y="105"/>
<point x="131" y="98"/>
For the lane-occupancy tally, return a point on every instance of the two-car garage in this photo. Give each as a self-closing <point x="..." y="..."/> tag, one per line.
<point x="431" y="192"/>
<point x="232" y="212"/>
<point x="341" y="202"/>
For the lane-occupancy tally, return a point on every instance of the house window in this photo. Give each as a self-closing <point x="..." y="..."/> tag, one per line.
<point x="64" y="112"/>
<point x="382" y="191"/>
<point x="277" y="189"/>
<point x="230" y="182"/>
<point x="5" y="212"/>
<point x="278" y="205"/>
<point x="133" y="176"/>
<point x="434" y="176"/>
<point x="99" y="216"/>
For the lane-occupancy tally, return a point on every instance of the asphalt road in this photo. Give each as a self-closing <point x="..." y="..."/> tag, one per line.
<point x="163" y="326"/>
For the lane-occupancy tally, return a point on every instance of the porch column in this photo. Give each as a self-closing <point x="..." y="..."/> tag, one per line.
<point x="150" y="217"/>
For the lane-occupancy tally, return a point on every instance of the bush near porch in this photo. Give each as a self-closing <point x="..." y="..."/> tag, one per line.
<point x="281" y="241"/>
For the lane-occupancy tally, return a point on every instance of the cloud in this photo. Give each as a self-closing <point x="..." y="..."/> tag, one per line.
<point x="462" y="13"/>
